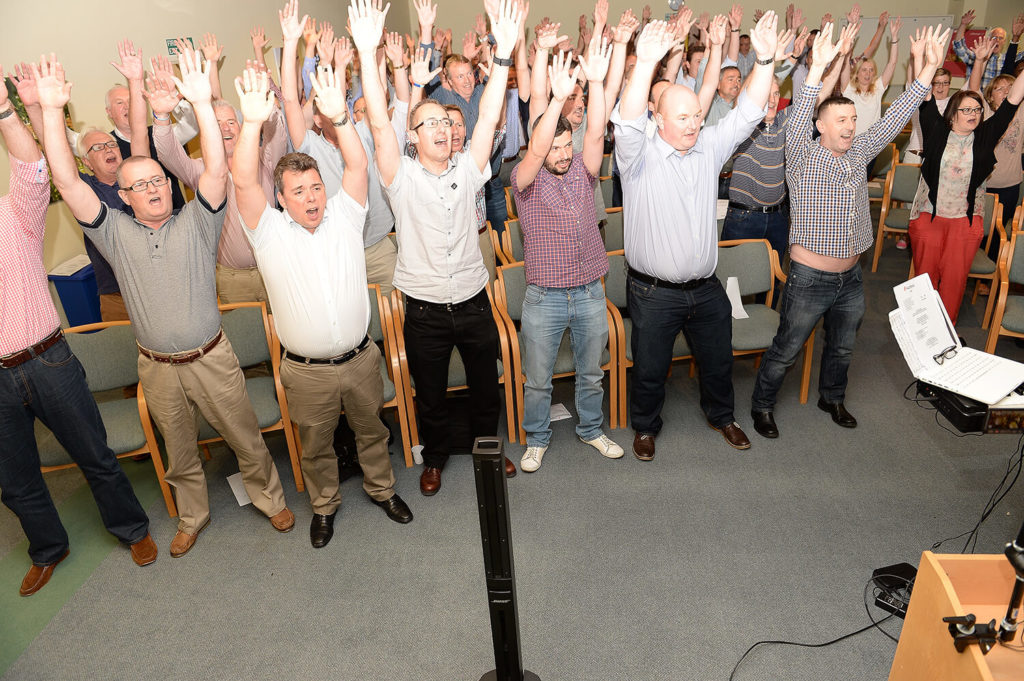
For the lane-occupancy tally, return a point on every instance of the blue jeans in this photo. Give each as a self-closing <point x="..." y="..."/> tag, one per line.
<point x="704" y="315"/>
<point x="52" y="388"/>
<point x="811" y="294"/>
<point x="748" y="224"/>
<point x="497" y="211"/>
<point x="547" y="312"/>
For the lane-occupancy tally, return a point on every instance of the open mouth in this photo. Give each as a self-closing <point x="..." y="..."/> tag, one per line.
<point x="312" y="213"/>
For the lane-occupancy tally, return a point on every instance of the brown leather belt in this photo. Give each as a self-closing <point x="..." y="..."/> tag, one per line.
<point x="482" y="230"/>
<point x="21" y="356"/>
<point x="182" y="357"/>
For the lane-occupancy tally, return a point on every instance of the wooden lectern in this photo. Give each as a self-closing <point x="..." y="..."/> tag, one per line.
<point x="955" y="584"/>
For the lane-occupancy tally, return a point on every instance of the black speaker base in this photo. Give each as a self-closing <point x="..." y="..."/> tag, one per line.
<point x="493" y="676"/>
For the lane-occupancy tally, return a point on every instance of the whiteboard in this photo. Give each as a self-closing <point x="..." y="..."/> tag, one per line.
<point x="910" y="25"/>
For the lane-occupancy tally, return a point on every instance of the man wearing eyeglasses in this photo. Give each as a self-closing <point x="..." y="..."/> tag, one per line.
<point x="440" y="269"/>
<point x="995" y="64"/>
<point x="164" y="261"/>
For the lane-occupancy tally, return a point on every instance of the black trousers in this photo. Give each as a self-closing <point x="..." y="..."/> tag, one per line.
<point x="431" y="331"/>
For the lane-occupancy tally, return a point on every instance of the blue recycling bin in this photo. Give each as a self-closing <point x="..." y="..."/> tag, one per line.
<point x="78" y="296"/>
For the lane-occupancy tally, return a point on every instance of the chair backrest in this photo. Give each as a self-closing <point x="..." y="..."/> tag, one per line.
<point x="615" y="280"/>
<point x="512" y="280"/>
<point x="109" y="355"/>
<point x="606" y="165"/>
<point x="991" y="206"/>
<point x="510" y="202"/>
<point x="614" y="239"/>
<point x="1016" y="254"/>
<point x="884" y="161"/>
<point x="376" y="329"/>
<point x="515" y="237"/>
<point x="244" y="326"/>
<point x="607" y="191"/>
<point x="750" y="261"/>
<point x="905" y="181"/>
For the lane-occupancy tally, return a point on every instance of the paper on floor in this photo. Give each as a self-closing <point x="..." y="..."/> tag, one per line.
<point x="238" y="487"/>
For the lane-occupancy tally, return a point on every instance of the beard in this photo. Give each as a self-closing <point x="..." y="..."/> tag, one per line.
<point x="555" y="170"/>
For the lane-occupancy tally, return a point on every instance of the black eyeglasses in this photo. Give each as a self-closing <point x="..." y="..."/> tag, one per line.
<point x="432" y="123"/>
<point x="968" y="110"/>
<point x="948" y="353"/>
<point x="103" y="145"/>
<point x="143" y="185"/>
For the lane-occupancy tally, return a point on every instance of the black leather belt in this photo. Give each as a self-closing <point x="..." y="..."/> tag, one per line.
<point x="21" y="356"/>
<point x="758" y="209"/>
<point x="182" y="357"/>
<point x="446" y="307"/>
<point x="660" y="283"/>
<point x="340" y="359"/>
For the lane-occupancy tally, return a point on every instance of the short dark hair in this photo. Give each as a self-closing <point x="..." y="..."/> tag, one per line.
<point x="420" y="104"/>
<point x="294" y="162"/>
<point x="744" y="35"/>
<point x="694" y="49"/>
<point x="834" y="100"/>
<point x="729" y="68"/>
<point x="563" y="125"/>
<point x="956" y="100"/>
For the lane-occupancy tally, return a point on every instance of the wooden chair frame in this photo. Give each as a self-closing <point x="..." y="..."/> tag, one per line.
<point x="995" y="229"/>
<point x="886" y="205"/>
<point x="1003" y="285"/>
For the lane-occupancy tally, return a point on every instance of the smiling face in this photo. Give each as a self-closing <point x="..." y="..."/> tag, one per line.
<point x="679" y="117"/>
<point x="458" y="129"/>
<point x="729" y="85"/>
<point x="117" y="107"/>
<point x="432" y="144"/>
<point x="997" y="90"/>
<point x="460" y="79"/>
<point x="303" y="196"/>
<point x="559" y="158"/>
<point x="940" y="84"/>
<point x="574" y="107"/>
<point x="744" y="44"/>
<point x="359" y="109"/>
<point x="152" y="206"/>
<point x="103" y="162"/>
<point x="228" y="122"/>
<point x="867" y="73"/>
<point x="693" y="63"/>
<point x="837" y="122"/>
<point x="773" y="101"/>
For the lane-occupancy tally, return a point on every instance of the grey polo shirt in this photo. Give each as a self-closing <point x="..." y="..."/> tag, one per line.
<point x="669" y="199"/>
<point x="167" y="275"/>
<point x="379" y="219"/>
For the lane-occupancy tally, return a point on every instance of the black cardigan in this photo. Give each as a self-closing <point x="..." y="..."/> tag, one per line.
<point x="986" y="136"/>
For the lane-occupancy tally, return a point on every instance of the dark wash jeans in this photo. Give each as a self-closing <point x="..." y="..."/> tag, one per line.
<point x="430" y="335"/>
<point x="748" y="224"/>
<point x="704" y="315"/>
<point x="52" y="388"/>
<point x="809" y="295"/>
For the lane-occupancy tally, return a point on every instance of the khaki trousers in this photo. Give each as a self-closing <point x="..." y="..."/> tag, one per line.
<point x="214" y="386"/>
<point x="112" y="307"/>
<point x="316" y="395"/>
<point x="241" y="286"/>
<point x="487" y="251"/>
<point x="380" y="265"/>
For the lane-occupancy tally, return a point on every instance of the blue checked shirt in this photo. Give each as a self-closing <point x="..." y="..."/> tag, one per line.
<point x="829" y="194"/>
<point x="993" y="67"/>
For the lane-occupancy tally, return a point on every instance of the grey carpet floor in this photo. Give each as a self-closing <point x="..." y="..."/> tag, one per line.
<point x="665" y="570"/>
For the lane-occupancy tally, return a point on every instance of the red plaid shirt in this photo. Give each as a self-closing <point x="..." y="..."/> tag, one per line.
<point x="562" y="245"/>
<point x="27" y="314"/>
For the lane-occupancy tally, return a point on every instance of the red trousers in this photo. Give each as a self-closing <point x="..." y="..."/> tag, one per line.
<point x="945" y="248"/>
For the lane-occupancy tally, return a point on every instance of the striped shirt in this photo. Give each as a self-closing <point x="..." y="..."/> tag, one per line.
<point x="828" y="193"/>
<point x="27" y="314"/>
<point x="993" y="67"/>
<point x="759" y="166"/>
<point x="562" y="246"/>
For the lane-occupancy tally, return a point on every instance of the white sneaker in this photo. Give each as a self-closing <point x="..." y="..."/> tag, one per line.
<point x="532" y="458"/>
<point x="606" y="446"/>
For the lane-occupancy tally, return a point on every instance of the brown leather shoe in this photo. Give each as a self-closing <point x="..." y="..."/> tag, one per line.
<point x="643" y="446"/>
<point x="144" y="551"/>
<point x="283" y="521"/>
<point x="37" y="577"/>
<point x="184" y="541"/>
<point x="510" y="468"/>
<point x="734" y="435"/>
<point x="430" y="481"/>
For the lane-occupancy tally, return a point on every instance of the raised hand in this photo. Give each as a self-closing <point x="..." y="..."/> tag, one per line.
<point x="682" y="22"/>
<point x="309" y="33"/>
<point x="847" y="37"/>
<point x="330" y="92"/>
<point x="259" y="38"/>
<point x="194" y="84"/>
<point x="883" y="19"/>
<point x="3" y="91"/>
<point x="160" y="66"/>
<point x="655" y="40"/>
<point x="736" y="16"/>
<point x="703" y="21"/>
<point x="1018" y="27"/>
<point x="826" y="18"/>
<point x="718" y="30"/>
<point x="547" y="36"/>
<point x="983" y="47"/>
<point x="763" y="38"/>
<point x="291" y="25"/>
<point x="53" y="91"/>
<point x="184" y="48"/>
<point x="505" y="27"/>
<point x="419" y="71"/>
<point x="967" y="19"/>
<point x="894" y="28"/>
<point x="798" y="18"/>
<point x="25" y="81"/>
<point x="782" y="43"/>
<point x="342" y="54"/>
<point x="366" y="23"/>
<point x="161" y="94"/>
<point x="212" y="50"/>
<point x="628" y="23"/>
<point x="254" y="96"/>
<point x="469" y="45"/>
<point x="758" y="13"/>
<point x="853" y="16"/>
<point x="595" y="65"/>
<point x="426" y="12"/>
<point x="325" y="43"/>
<point x="935" y="50"/>
<point x="562" y="80"/>
<point x="131" y="61"/>
<point x="583" y="23"/>
<point x="393" y="49"/>
<point x="646" y="15"/>
<point x="800" y="44"/>
<point x="823" y="50"/>
<point x="480" y="25"/>
<point x="601" y="13"/>
<point x="917" y="45"/>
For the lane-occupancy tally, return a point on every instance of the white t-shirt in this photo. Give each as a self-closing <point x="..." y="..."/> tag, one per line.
<point x="869" y="106"/>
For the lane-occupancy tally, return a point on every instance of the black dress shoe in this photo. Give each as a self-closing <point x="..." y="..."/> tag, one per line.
<point x="764" y="424"/>
<point x="838" y="413"/>
<point x="321" y="529"/>
<point x="395" y="508"/>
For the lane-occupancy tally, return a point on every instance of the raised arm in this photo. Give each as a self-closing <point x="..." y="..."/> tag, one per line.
<point x="735" y="22"/>
<point x="845" y="46"/>
<point x="212" y="51"/>
<point x="396" y="55"/>
<point x="256" y="102"/>
<point x="894" y="51"/>
<point x="595" y="67"/>
<point x="25" y="82"/>
<point x="763" y="40"/>
<point x="17" y="137"/>
<point x="982" y="49"/>
<point x="654" y="42"/>
<point x="716" y="33"/>
<point x="522" y="61"/>
<point x="131" y="68"/>
<point x="547" y="39"/>
<point x="194" y="86"/>
<point x="54" y="93"/>
<point x="366" y="25"/>
<point x="505" y="27"/>
<point x="329" y="87"/>
<point x="876" y="39"/>
<point x="562" y="82"/>
<point x="291" y="28"/>
<point x="961" y="30"/>
<point x="621" y="34"/>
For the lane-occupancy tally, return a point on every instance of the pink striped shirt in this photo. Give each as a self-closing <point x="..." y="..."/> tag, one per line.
<point x="27" y="314"/>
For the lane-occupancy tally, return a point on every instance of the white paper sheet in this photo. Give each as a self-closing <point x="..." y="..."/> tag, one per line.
<point x="238" y="487"/>
<point x="559" y="412"/>
<point x="732" y="290"/>
<point x="69" y="267"/>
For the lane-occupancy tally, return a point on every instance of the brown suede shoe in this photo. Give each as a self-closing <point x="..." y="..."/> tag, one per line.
<point x="183" y="541"/>
<point x="144" y="551"/>
<point x="734" y="435"/>
<point x="643" y="446"/>
<point x="430" y="481"/>
<point x="283" y="521"/>
<point x="37" y="577"/>
<point x="510" y="468"/>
